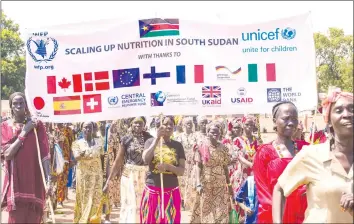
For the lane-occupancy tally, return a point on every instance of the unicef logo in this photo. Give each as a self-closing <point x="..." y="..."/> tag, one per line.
<point x="288" y="33"/>
<point x="274" y="95"/>
<point x="160" y="97"/>
<point x="42" y="49"/>
<point x="113" y="100"/>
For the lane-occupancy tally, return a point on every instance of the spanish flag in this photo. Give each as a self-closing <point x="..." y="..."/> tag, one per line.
<point x="67" y="105"/>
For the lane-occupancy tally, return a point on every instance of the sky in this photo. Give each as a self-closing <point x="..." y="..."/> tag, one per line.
<point x="37" y="14"/>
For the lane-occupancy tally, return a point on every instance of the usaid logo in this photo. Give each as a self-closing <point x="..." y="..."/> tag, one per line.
<point x="242" y="99"/>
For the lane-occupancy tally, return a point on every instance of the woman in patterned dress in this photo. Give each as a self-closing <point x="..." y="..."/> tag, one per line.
<point x="235" y="170"/>
<point x="63" y="139"/>
<point x="130" y="165"/>
<point x="246" y="146"/>
<point x="188" y="138"/>
<point x="117" y="130"/>
<point x="212" y="159"/>
<point x="87" y="152"/>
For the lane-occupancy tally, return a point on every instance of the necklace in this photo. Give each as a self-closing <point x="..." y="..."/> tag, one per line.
<point x="250" y="150"/>
<point x="279" y="151"/>
<point x="138" y="141"/>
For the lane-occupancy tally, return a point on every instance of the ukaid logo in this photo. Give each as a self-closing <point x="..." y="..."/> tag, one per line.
<point x="133" y="100"/>
<point x="242" y="98"/>
<point x="42" y="50"/>
<point x="287" y="33"/>
<point x="211" y="96"/>
<point x="282" y="94"/>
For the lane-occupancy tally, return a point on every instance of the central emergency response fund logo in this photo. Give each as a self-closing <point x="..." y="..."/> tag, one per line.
<point x="287" y="33"/>
<point x="42" y="48"/>
<point x="211" y="96"/>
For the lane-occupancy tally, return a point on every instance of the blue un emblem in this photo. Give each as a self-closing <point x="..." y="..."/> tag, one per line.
<point x="43" y="49"/>
<point x="288" y="33"/>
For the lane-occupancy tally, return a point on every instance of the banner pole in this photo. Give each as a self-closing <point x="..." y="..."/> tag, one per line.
<point x="161" y="176"/>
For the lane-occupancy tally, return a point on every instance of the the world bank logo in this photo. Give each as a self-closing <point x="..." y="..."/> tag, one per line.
<point x="113" y="100"/>
<point x="43" y="49"/>
<point x="288" y="33"/>
<point x="160" y="97"/>
<point x="273" y="95"/>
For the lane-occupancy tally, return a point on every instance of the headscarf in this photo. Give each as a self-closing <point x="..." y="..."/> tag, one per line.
<point x="233" y="123"/>
<point x="248" y="117"/>
<point x="201" y="118"/>
<point x="332" y="98"/>
<point x="141" y="118"/>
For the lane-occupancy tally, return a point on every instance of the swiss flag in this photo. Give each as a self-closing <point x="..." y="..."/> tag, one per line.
<point x="97" y="81"/>
<point x="92" y="103"/>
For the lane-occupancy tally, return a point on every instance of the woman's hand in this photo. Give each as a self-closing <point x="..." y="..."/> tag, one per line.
<point x="248" y="211"/>
<point x="105" y="188"/>
<point x="49" y="191"/>
<point x="31" y="124"/>
<point x="162" y="167"/>
<point x="160" y="132"/>
<point x="346" y="202"/>
<point x="199" y="189"/>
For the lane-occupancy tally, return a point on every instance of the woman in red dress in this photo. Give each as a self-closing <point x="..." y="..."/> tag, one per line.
<point x="23" y="194"/>
<point x="271" y="160"/>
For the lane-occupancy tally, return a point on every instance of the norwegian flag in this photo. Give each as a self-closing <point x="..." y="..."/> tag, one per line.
<point x="211" y="92"/>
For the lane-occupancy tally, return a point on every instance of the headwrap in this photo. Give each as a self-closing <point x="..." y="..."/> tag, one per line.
<point x="200" y="118"/>
<point x="332" y="98"/>
<point x="233" y="123"/>
<point x="178" y="119"/>
<point x="248" y="117"/>
<point x="141" y="119"/>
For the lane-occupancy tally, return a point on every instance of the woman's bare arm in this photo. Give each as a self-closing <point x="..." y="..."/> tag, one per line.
<point x="148" y="154"/>
<point x="178" y="170"/>
<point x="117" y="164"/>
<point x="278" y="204"/>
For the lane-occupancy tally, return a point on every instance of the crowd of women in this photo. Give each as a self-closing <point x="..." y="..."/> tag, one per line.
<point x="155" y="169"/>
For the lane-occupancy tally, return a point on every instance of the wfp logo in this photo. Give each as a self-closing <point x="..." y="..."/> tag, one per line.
<point x="42" y="50"/>
<point x="287" y="33"/>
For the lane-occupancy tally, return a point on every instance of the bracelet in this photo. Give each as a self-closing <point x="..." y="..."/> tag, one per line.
<point x="21" y="138"/>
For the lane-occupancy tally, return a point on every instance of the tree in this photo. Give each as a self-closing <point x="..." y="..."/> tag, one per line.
<point x="334" y="55"/>
<point x="13" y="63"/>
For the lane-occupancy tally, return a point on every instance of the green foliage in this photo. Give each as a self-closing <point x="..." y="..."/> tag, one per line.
<point x="13" y="64"/>
<point x="334" y="54"/>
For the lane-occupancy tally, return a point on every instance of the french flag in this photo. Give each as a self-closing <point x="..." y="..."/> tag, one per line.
<point x="198" y="74"/>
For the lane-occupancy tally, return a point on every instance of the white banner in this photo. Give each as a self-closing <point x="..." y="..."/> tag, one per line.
<point x="116" y="69"/>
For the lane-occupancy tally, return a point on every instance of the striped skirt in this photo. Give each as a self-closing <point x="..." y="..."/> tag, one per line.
<point x="151" y="206"/>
